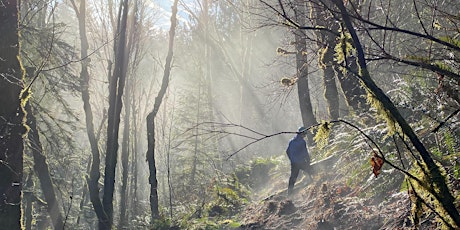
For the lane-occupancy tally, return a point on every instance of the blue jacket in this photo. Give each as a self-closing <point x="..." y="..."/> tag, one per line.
<point x="297" y="150"/>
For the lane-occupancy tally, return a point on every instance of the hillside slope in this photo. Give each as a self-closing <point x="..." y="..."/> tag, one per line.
<point x="328" y="203"/>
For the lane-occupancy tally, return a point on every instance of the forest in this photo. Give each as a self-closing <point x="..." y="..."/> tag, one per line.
<point x="135" y="114"/>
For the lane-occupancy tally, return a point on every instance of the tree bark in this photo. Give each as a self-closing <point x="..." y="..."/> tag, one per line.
<point x="150" y="155"/>
<point x="117" y="84"/>
<point x="125" y="161"/>
<point x="133" y="50"/>
<point x="12" y="118"/>
<point x="43" y="173"/>
<point x="326" y="42"/>
<point x="303" y="90"/>
<point x="93" y="179"/>
<point x="153" y="181"/>
<point x="438" y="187"/>
<point x="352" y="90"/>
<point x="28" y="200"/>
<point x="134" y="171"/>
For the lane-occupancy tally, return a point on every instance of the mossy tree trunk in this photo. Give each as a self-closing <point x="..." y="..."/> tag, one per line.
<point x="326" y="41"/>
<point x="354" y="93"/>
<point x="437" y="187"/>
<point x="12" y="116"/>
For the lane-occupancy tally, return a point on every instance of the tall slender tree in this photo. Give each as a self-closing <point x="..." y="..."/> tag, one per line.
<point x="150" y="155"/>
<point x="303" y="90"/>
<point x="134" y="52"/>
<point x="116" y="89"/>
<point x="93" y="179"/>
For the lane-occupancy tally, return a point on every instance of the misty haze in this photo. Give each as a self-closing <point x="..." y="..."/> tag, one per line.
<point x="227" y="114"/>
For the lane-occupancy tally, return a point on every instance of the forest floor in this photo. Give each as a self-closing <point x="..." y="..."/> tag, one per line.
<point x="328" y="203"/>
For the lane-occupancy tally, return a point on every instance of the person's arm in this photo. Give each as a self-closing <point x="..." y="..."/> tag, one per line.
<point x="289" y="150"/>
<point x="305" y="150"/>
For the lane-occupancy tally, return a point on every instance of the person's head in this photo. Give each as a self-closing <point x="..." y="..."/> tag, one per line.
<point x="302" y="131"/>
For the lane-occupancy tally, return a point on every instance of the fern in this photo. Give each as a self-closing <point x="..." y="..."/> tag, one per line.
<point x="453" y="41"/>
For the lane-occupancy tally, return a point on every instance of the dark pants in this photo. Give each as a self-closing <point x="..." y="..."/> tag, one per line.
<point x="295" y="169"/>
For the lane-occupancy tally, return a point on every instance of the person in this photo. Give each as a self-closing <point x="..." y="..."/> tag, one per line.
<point x="299" y="157"/>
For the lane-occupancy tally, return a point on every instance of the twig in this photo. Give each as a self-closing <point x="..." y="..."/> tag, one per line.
<point x="445" y="121"/>
<point x="68" y="208"/>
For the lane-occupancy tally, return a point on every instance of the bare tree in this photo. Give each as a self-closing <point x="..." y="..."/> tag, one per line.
<point x="135" y="53"/>
<point x="150" y="155"/>
<point x="93" y="179"/>
<point x="116" y="89"/>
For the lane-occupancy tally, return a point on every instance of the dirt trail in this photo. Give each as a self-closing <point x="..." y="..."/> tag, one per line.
<point x="330" y="204"/>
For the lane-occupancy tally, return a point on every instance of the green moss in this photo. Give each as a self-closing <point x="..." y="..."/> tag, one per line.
<point x="322" y="134"/>
<point x="423" y="191"/>
<point x="342" y="49"/>
<point x="382" y="113"/>
<point x="321" y="53"/>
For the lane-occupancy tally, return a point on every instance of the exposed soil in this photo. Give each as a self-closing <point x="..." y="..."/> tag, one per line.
<point x="326" y="204"/>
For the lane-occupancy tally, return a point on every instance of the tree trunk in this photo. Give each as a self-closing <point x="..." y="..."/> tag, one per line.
<point x="326" y="42"/>
<point x="28" y="199"/>
<point x="43" y="173"/>
<point x="303" y="90"/>
<point x="93" y="179"/>
<point x="117" y="84"/>
<point x="124" y="161"/>
<point x="134" y="171"/>
<point x="12" y="118"/>
<point x="84" y="199"/>
<point x="195" y="150"/>
<point x="330" y="88"/>
<point x="155" y="213"/>
<point x="150" y="155"/>
<point x="352" y="90"/>
<point x="438" y="187"/>
<point x="134" y="50"/>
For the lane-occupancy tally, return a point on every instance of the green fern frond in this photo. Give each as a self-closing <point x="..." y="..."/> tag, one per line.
<point x="453" y="41"/>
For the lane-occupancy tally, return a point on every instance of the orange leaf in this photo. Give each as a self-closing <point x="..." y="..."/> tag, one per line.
<point x="376" y="163"/>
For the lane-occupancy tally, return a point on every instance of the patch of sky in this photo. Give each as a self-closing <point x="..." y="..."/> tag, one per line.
<point x="163" y="7"/>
